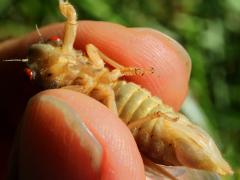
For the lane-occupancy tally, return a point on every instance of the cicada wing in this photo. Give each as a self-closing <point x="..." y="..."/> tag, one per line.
<point x="180" y="173"/>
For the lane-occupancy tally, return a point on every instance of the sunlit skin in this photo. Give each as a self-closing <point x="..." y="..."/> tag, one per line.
<point x="128" y="46"/>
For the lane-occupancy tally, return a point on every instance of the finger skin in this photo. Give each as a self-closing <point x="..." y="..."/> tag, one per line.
<point x="130" y="47"/>
<point x="50" y="149"/>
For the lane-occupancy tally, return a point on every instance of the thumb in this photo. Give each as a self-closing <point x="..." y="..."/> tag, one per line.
<point x="67" y="135"/>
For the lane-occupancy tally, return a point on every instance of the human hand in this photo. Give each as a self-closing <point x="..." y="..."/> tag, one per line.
<point x="55" y="141"/>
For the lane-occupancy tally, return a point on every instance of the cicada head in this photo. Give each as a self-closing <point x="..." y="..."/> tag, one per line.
<point x="52" y="67"/>
<point x="193" y="147"/>
<point x="55" y="63"/>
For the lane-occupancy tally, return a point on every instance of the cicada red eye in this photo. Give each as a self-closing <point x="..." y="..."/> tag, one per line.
<point x="55" y="38"/>
<point x="28" y="73"/>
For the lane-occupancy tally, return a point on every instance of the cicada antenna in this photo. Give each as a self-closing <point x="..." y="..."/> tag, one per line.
<point x="15" y="60"/>
<point x="39" y="33"/>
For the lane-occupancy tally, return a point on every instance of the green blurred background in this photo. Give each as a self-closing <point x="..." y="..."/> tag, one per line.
<point x="209" y="30"/>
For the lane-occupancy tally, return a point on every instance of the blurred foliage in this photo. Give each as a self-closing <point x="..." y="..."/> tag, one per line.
<point x="209" y="30"/>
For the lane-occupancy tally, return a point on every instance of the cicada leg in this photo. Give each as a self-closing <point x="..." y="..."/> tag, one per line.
<point x="136" y="71"/>
<point x="156" y="168"/>
<point x="108" y="60"/>
<point x="69" y="12"/>
<point x="105" y="94"/>
<point x="102" y="93"/>
<point x="98" y="58"/>
<point x="94" y="57"/>
<point x="83" y="84"/>
<point x="137" y="123"/>
<point x="76" y="88"/>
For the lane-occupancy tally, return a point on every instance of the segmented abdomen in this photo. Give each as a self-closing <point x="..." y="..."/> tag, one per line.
<point x="133" y="103"/>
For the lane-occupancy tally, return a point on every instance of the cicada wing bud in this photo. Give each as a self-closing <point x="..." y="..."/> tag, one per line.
<point x="195" y="148"/>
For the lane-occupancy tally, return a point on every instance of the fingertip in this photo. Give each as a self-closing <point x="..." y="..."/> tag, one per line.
<point x="56" y="144"/>
<point x="51" y="143"/>
<point x="121" y="156"/>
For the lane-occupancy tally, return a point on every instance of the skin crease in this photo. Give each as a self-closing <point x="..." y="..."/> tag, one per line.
<point x="128" y="46"/>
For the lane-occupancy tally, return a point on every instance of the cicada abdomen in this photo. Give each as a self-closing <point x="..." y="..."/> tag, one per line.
<point x="168" y="138"/>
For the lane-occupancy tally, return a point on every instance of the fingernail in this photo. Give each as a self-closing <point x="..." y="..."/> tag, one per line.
<point x="72" y="140"/>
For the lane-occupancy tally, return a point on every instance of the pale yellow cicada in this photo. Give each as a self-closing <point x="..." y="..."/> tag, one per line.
<point x="163" y="136"/>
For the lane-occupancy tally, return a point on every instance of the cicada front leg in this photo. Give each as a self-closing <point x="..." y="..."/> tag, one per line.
<point x="102" y="93"/>
<point x="105" y="94"/>
<point x="105" y="58"/>
<point x="94" y="56"/>
<point x="83" y="84"/>
<point x="98" y="58"/>
<point x="136" y="71"/>
<point x="70" y="30"/>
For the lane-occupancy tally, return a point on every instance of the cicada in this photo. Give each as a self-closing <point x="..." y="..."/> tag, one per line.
<point x="163" y="136"/>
